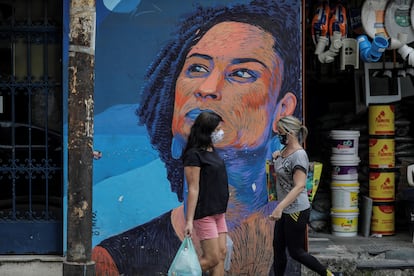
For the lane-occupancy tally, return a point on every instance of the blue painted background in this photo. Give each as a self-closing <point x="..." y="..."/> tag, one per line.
<point x="129" y="181"/>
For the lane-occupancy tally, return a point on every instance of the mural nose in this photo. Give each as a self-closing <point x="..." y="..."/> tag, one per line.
<point x="206" y="95"/>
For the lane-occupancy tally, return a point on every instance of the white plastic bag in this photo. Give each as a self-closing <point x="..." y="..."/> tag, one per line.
<point x="186" y="261"/>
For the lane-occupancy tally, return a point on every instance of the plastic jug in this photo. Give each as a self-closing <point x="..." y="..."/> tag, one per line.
<point x="410" y="175"/>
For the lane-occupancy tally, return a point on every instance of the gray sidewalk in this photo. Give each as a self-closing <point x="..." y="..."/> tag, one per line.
<point x="386" y="255"/>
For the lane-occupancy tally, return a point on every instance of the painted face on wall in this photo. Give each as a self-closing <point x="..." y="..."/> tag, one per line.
<point x="234" y="72"/>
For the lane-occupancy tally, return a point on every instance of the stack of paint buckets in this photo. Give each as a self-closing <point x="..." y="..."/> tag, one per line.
<point x="382" y="168"/>
<point x="344" y="184"/>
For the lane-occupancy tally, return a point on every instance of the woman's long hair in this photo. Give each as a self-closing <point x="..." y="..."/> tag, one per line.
<point x="200" y="134"/>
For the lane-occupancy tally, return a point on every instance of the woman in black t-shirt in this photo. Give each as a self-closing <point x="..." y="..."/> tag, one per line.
<point x="208" y="192"/>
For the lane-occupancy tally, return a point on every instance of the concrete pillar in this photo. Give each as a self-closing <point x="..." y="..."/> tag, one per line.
<point x="80" y="138"/>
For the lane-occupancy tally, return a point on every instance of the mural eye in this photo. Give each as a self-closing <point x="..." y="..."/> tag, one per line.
<point x="243" y="75"/>
<point x="197" y="70"/>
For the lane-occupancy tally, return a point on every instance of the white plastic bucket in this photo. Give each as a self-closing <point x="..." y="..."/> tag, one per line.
<point x="344" y="142"/>
<point x="345" y="195"/>
<point x="344" y="167"/>
<point x="344" y="222"/>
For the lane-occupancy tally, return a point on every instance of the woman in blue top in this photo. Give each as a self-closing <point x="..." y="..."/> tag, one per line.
<point x="293" y="209"/>
<point x="208" y="191"/>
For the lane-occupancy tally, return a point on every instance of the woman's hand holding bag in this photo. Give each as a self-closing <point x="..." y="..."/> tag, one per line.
<point x="186" y="261"/>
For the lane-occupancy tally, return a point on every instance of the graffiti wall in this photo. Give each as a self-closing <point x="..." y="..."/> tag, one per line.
<point x="160" y="63"/>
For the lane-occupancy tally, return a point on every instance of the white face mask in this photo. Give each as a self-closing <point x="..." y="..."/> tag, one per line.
<point x="217" y="136"/>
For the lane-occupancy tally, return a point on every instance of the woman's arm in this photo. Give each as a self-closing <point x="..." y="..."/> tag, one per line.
<point x="192" y="175"/>
<point x="299" y="183"/>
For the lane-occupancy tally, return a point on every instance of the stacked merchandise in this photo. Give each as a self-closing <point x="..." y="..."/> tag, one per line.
<point x="344" y="185"/>
<point x="382" y="168"/>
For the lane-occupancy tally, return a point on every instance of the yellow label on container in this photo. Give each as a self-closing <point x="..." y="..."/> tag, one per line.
<point x="344" y="223"/>
<point x="381" y="153"/>
<point x="382" y="221"/>
<point x="382" y="185"/>
<point x="381" y="120"/>
<point x="354" y="198"/>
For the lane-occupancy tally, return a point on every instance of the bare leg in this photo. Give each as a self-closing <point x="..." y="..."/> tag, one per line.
<point x="214" y="253"/>
<point x="218" y="270"/>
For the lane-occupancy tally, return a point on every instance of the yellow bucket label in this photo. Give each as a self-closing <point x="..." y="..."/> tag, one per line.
<point x="382" y="221"/>
<point x="344" y="224"/>
<point x="345" y="183"/>
<point x="354" y="198"/>
<point x="381" y="120"/>
<point x="382" y="185"/>
<point x="381" y="153"/>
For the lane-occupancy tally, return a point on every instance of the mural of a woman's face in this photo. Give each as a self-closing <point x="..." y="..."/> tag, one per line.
<point x="234" y="72"/>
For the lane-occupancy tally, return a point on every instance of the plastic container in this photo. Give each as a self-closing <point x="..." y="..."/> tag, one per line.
<point x="344" y="167"/>
<point x="344" y="222"/>
<point x="382" y="184"/>
<point x="344" y="142"/>
<point x="344" y="195"/>
<point x="381" y="152"/>
<point x="407" y="195"/>
<point x="383" y="218"/>
<point x="381" y="120"/>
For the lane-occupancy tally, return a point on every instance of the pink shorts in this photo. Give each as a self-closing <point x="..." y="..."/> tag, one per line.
<point x="210" y="227"/>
